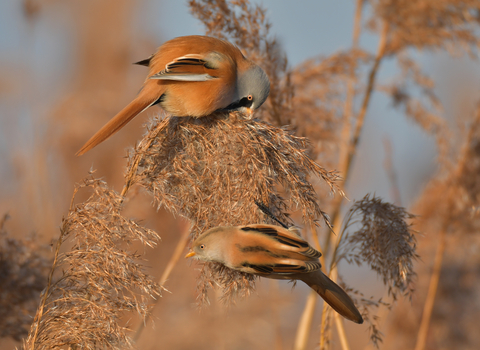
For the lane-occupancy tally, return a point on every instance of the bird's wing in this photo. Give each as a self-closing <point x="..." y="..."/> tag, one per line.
<point x="290" y="240"/>
<point x="295" y="267"/>
<point x="187" y="68"/>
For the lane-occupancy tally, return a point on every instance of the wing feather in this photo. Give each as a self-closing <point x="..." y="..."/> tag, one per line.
<point x="285" y="237"/>
<point x="186" y="68"/>
<point x="286" y="269"/>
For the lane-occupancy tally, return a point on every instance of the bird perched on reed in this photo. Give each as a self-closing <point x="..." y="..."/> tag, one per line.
<point x="193" y="76"/>
<point x="273" y="252"/>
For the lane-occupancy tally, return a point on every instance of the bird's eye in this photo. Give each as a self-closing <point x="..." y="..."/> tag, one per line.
<point x="246" y="101"/>
<point x="202" y="246"/>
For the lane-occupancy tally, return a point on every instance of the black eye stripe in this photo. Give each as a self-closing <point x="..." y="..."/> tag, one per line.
<point x="244" y="102"/>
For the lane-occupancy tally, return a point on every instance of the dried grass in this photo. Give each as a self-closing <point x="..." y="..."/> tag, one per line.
<point x="214" y="170"/>
<point x="429" y="24"/>
<point x="99" y="280"/>
<point x="247" y="26"/>
<point x="385" y="242"/>
<point x="320" y="94"/>
<point x="23" y="271"/>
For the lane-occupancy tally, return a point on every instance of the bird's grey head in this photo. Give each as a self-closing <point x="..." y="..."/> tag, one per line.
<point x="253" y="88"/>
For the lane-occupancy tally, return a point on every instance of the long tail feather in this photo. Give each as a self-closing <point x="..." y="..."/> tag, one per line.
<point x="134" y="108"/>
<point x="334" y="295"/>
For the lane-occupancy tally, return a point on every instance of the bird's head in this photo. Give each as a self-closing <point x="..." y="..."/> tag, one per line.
<point x="252" y="90"/>
<point x="208" y="246"/>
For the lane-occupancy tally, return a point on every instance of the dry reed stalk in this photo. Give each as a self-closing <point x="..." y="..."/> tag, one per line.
<point x="448" y="25"/>
<point x="339" y="325"/>
<point x="345" y="135"/>
<point x="41" y="308"/>
<point x="432" y="290"/>
<point x="134" y="162"/>
<point x="346" y="161"/>
<point x="453" y="28"/>
<point x="391" y="174"/>
<point x="445" y="208"/>
<point x="348" y="110"/>
<point x="212" y="171"/>
<point x="177" y="254"/>
<point x="333" y="274"/>
<point x="341" y="332"/>
<point x="359" y="120"/>
<point x="381" y="49"/>
<point x="305" y="323"/>
<point x="325" y="327"/>
<point x="32" y="339"/>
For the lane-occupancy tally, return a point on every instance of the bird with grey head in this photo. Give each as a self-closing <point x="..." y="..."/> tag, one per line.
<point x="193" y="76"/>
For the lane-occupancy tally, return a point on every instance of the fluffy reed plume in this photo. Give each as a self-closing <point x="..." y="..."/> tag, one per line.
<point x="451" y="201"/>
<point x="99" y="281"/>
<point x="423" y="108"/>
<point x="319" y="102"/>
<point x="248" y="27"/>
<point x="429" y="24"/>
<point x="419" y="26"/>
<point x="319" y="86"/>
<point x="23" y="271"/>
<point x="385" y="241"/>
<point x="403" y="27"/>
<point x="213" y="170"/>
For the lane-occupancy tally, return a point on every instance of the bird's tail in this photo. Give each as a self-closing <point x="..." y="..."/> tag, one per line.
<point x="138" y="105"/>
<point x="334" y="295"/>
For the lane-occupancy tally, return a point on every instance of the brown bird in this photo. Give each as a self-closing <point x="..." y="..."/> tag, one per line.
<point x="273" y="252"/>
<point x="193" y="76"/>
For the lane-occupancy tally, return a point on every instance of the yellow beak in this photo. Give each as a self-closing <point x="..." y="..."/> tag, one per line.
<point x="190" y="254"/>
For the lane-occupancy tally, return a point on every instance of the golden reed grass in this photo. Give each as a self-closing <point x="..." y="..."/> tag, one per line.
<point x="212" y="171"/>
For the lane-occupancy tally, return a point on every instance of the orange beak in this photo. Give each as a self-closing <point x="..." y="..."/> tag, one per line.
<point x="190" y="254"/>
<point x="249" y="112"/>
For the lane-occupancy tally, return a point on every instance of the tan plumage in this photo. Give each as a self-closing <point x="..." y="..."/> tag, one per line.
<point x="193" y="76"/>
<point x="273" y="252"/>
